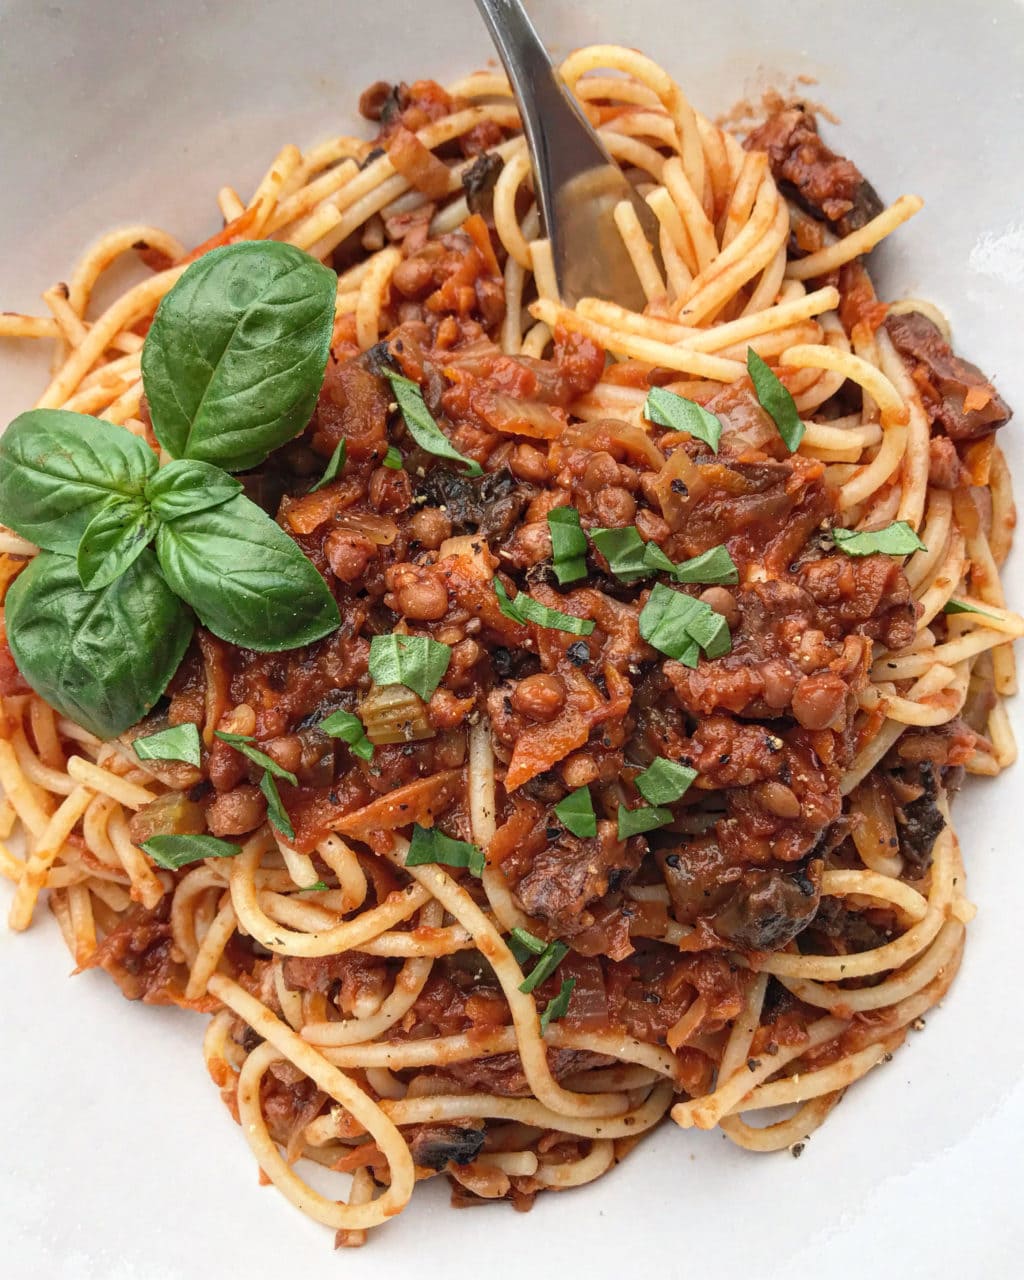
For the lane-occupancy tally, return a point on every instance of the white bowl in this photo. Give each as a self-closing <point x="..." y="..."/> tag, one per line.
<point x="119" y="1159"/>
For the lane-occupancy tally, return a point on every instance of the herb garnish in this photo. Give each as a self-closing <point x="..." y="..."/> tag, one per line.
<point x="664" y="781"/>
<point x="559" y="1006"/>
<point x="568" y="545"/>
<point x="624" y="550"/>
<point x="964" y="606"/>
<point x="392" y="459"/>
<point x="714" y="567"/>
<point x="420" y="422"/>
<point x="428" y="845"/>
<point x="180" y="742"/>
<point x="549" y="960"/>
<point x="333" y="468"/>
<point x="679" y="414"/>
<point x="415" y="661"/>
<point x="896" y="539"/>
<point x="242" y="742"/>
<point x="634" y="822"/>
<point x="776" y="401"/>
<point x="679" y="625"/>
<point x="349" y="728"/>
<point x="525" y="609"/>
<point x="576" y="812"/>
<point x="174" y="852"/>
<point x="276" y="811"/>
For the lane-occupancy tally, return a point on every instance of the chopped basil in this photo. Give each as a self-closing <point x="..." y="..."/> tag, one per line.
<point x="417" y="662"/>
<point x="676" y="412"/>
<point x="633" y="822"/>
<point x="180" y="742"/>
<point x="319" y="887"/>
<point x="349" y="728"/>
<point x="522" y="943"/>
<point x="172" y="852"/>
<point x="551" y="957"/>
<point x="713" y="568"/>
<point x="962" y="606"/>
<point x="576" y="812"/>
<point x="568" y="545"/>
<point x="678" y="624"/>
<point x="559" y="1006"/>
<point x="276" y="811"/>
<point x="428" y="846"/>
<point x="422" y="427"/>
<point x="624" y="550"/>
<point x="776" y="401"/>
<point x="333" y="468"/>
<point x="897" y="539"/>
<point x="664" y="781"/>
<point x="243" y="742"/>
<point x="392" y="459"/>
<point x="525" y="609"/>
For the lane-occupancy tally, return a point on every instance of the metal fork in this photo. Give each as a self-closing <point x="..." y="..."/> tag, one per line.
<point x="578" y="184"/>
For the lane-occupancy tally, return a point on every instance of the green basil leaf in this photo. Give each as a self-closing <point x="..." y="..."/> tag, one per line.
<point x="525" y="609"/>
<point x="333" y="468"/>
<point x="417" y="662"/>
<point x="174" y="852"/>
<point x="964" y="606"/>
<point x="58" y="469"/>
<point x="529" y="942"/>
<point x="428" y="846"/>
<point x="679" y="414"/>
<point x="576" y="812"/>
<point x="711" y="568"/>
<point x="235" y="356"/>
<point x="392" y="459"/>
<point x="102" y="658"/>
<point x="186" y="486"/>
<point x="625" y="551"/>
<point x="677" y="624"/>
<point x="246" y="579"/>
<point x="179" y="742"/>
<point x="776" y="401"/>
<point x="276" y="811"/>
<point x="349" y="728"/>
<point x="242" y="742"/>
<point x="553" y="955"/>
<point x="568" y="545"/>
<point x="319" y="887"/>
<point x="420" y="422"/>
<point x="559" y="1006"/>
<point x="897" y="539"/>
<point x="664" y="781"/>
<point x="634" y="822"/>
<point x="114" y="539"/>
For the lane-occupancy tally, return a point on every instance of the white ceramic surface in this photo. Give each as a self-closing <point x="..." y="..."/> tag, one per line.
<point x="117" y="1158"/>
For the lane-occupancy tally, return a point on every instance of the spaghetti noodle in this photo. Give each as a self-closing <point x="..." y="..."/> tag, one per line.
<point x="781" y="895"/>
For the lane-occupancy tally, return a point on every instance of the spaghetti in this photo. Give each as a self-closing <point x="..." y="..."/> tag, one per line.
<point x="781" y="895"/>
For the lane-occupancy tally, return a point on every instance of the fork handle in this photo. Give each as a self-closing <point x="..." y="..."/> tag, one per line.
<point x="560" y="136"/>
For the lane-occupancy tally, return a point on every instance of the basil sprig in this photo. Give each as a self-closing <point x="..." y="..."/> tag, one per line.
<point x="232" y="366"/>
<point x="234" y="359"/>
